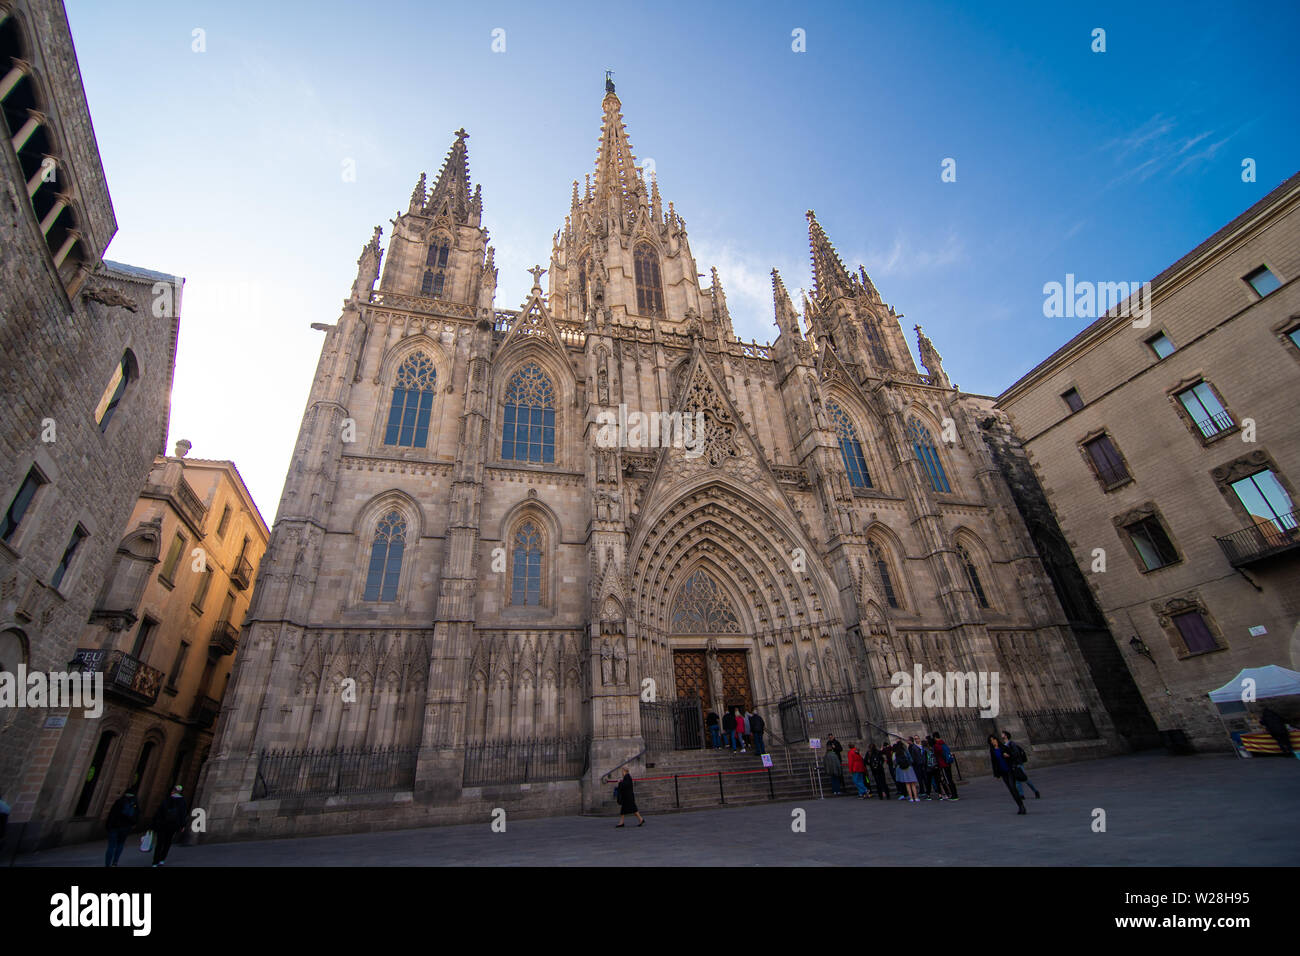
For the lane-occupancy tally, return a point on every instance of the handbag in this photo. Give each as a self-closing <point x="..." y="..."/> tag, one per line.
<point x="146" y="842"/>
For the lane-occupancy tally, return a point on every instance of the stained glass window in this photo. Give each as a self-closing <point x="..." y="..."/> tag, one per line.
<point x="928" y="453"/>
<point x="386" y="558"/>
<point x="408" y="415"/>
<point x="850" y="447"/>
<point x="528" y="427"/>
<point x="702" y="607"/>
<point x="649" y="288"/>
<point x="526" y="584"/>
<point x="882" y="572"/>
<point x="973" y="576"/>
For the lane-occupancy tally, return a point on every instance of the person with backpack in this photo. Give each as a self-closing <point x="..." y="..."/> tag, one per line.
<point x="858" y="771"/>
<point x="171" y="818"/>
<point x="944" y="758"/>
<point x="834" y="770"/>
<point x="1019" y="759"/>
<point x="729" y="729"/>
<point x="876" y="763"/>
<point x="756" y="727"/>
<point x="933" y="786"/>
<point x="1002" y="763"/>
<point x="904" y="773"/>
<point x="122" y="819"/>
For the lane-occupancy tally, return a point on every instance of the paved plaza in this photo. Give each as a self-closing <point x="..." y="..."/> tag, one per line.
<point x="1160" y="810"/>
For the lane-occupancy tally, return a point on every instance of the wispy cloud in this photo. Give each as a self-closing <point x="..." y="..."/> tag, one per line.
<point x="1158" y="147"/>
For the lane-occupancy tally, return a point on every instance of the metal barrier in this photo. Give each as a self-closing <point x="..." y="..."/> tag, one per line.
<point x="1057" y="725"/>
<point x="673" y="724"/>
<point x="530" y="760"/>
<point x="297" y="773"/>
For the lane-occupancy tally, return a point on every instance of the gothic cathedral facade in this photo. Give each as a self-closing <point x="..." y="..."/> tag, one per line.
<point x="459" y="559"/>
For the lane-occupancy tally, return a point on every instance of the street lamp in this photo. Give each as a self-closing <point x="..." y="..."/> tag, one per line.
<point x="1139" y="647"/>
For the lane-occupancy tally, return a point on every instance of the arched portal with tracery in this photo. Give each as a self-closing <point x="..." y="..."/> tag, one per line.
<point x="732" y="605"/>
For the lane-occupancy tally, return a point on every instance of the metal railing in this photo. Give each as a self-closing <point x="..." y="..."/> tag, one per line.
<point x="124" y="675"/>
<point x="283" y="773"/>
<point x="1218" y="422"/>
<point x="673" y="724"/>
<point x="529" y="760"/>
<point x="1056" y="725"/>
<point x="1261" y="540"/>
<point x="1112" y="474"/>
<point x="815" y="715"/>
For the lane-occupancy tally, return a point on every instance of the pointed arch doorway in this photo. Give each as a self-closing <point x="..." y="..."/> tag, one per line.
<point x="704" y="623"/>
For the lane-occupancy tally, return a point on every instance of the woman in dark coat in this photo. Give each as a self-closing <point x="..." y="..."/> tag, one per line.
<point x="876" y="764"/>
<point x="627" y="799"/>
<point x="1004" y="768"/>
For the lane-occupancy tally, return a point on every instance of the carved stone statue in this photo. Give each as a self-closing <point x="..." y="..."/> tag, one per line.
<point x="606" y="664"/>
<point x="602" y="384"/>
<point x="620" y="661"/>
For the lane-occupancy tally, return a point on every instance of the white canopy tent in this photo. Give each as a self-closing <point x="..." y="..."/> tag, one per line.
<point x="1270" y="681"/>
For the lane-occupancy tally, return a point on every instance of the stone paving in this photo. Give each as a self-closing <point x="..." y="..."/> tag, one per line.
<point x="1205" y="810"/>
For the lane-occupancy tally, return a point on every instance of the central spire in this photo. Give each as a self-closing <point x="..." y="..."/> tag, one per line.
<point x="617" y="180"/>
<point x="450" y="193"/>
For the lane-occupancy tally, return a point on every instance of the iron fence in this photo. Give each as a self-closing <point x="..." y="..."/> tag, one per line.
<point x="673" y="724"/>
<point x="960" y="731"/>
<point x="528" y="760"/>
<point x="283" y="773"/>
<point x="1056" y="725"/>
<point x="816" y="715"/>
<point x="792" y="725"/>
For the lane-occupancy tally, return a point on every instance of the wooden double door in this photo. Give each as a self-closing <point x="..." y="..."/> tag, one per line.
<point x="691" y="675"/>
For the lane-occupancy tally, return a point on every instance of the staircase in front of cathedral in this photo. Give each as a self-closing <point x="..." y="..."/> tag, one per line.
<point x="689" y="780"/>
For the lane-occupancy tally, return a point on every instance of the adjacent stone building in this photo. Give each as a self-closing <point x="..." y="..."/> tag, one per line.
<point x="473" y="559"/>
<point x="164" y="631"/>
<point x="86" y="371"/>
<point x="1168" y="447"/>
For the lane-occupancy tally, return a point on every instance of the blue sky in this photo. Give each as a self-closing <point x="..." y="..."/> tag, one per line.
<point x="225" y="166"/>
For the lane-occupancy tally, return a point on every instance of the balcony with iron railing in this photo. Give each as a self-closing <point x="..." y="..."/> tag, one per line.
<point x="168" y="483"/>
<point x="1265" y="539"/>
<point x="204" y="712"/>
<point x="225" y="638"/>
<point x="241" y="574"/>
<point x="1216" y="424"/>
<point x="125" y="676"/>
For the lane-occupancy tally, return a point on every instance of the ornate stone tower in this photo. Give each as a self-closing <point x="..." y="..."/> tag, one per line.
<point x="467" y="568"/>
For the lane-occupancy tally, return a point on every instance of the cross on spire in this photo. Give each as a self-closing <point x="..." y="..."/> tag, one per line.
<point x="609" y="83"/>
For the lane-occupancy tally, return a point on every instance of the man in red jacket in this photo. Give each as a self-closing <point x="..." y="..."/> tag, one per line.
<point x="858" y="769"/>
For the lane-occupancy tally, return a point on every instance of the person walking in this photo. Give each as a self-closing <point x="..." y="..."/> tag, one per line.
<point x="627" y="799"/>
<point x="917" y="754"/>
<point x="857" y="770"/>
<point x="943" y="757"/>
<point x="876" y="763"/>
<point x="835" y="770"/>
<point x="1000" y="761"/>
<point x="122" y="819"/>
<point x="1019" y="759"/>
<point x="1272" y="721"/>
<point x="711" y="721"/>
<point x="904" y="773"/>
<point x="170" y="820"/>
<point x="756" y="727"/>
